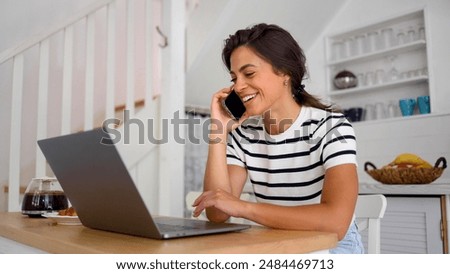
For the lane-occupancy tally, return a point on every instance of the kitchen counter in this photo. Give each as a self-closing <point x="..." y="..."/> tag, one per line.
<point x="42" y="234"/>
<point x="434" y="188"/>
<point x="439" y="188"/>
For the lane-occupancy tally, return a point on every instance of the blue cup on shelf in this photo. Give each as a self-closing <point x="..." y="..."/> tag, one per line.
<point x="407" y="106"/>
<point x="424" y="104"/>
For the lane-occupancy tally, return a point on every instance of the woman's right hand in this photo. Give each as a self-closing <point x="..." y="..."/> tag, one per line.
<point x="225" y="202"/>
<point x="221" y="121"/>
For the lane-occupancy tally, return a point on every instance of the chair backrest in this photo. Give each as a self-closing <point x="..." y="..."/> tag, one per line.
<point x="368" y="212"/>
<point x="192" y="195"/>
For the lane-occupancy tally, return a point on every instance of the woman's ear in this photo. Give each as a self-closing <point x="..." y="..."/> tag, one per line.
<point x="287" y="79"/>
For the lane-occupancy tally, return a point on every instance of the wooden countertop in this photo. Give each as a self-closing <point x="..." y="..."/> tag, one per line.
<point x="40" y="233"/>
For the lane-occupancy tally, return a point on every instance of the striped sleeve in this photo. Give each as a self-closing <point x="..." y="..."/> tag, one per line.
<point x="338" y="141"/>
<point x="234" y="153"/>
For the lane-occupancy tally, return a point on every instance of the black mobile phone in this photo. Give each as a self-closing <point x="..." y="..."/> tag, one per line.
<point x="234" y="105"/>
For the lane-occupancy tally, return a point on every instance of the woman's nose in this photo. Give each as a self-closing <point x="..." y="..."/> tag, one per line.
<point x="239" y="85"/>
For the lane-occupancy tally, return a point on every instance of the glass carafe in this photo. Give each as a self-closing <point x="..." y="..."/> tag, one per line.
<point x="43" y="195"/>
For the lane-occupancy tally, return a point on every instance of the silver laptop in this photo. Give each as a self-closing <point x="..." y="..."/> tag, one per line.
<point x="99" y="187"/>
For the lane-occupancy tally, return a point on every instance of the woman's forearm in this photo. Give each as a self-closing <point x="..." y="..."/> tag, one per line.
<point x="216" y="174"/>
<point x="320" y="217"/>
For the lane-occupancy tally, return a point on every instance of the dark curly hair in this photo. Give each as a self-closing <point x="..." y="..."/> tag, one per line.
<point x="277" y="47"/>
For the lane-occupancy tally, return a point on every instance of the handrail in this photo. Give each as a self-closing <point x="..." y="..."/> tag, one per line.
<point x="13" y="51"/>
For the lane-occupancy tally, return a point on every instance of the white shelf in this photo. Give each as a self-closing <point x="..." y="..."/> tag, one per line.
<point x="379" y="87"/>
<point x="397" y="119"/>
<point x="419" y="44"/>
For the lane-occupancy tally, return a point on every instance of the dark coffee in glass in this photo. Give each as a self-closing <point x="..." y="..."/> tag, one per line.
<point x="43" y="195"/>
<point x="35" y="204"/>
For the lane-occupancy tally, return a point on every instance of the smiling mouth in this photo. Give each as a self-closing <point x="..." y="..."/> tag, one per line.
<point x="248" y="98"/>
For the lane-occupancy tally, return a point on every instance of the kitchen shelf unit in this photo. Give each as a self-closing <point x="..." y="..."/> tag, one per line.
<point x="344" y="51"/>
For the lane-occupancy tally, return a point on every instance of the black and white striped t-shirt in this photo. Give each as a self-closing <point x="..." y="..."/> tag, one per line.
<point x="289" y="168"/>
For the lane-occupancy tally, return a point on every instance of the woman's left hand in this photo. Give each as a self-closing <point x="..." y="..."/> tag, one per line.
<point x="218" y="199"/>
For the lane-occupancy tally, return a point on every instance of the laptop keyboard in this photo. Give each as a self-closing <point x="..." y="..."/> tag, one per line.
<point x="179" y="225"/>
<point x="167" y="227"/>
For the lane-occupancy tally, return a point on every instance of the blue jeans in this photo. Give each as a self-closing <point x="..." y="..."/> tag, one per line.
<point x="351" y="244"/>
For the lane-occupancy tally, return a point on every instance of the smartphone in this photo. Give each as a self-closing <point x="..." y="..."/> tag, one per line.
<point x="234" y="105"/>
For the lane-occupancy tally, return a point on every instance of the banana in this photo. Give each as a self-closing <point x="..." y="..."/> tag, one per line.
<point x="410" y="160"/>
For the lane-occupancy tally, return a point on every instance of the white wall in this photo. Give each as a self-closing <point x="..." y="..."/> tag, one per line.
<point x="20" y="19"/>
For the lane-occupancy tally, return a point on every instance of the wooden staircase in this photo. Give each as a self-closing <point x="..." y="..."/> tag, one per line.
<point x="99" y="62"/>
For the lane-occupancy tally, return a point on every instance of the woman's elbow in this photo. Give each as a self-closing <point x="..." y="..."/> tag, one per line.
<point x="340" y="229"/>
<point x="341" y="233"/>
<point x="339" y="226"/>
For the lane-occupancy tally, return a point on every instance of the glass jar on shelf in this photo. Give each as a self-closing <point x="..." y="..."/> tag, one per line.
<point x="393" y="74"/>
<point x="337" y="50"/>
<point x="372" y="41"/>
<point x="360" y="42"/>
<point x="411" y="35"/>
<point x="421" y="33"/>
<point x="401" y="37"/>
<point x="388" y="40"/>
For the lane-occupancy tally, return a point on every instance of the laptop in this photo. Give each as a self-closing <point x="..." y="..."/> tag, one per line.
<point x="100" y="188"/>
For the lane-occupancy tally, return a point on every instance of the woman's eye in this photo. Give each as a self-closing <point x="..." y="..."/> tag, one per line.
<point x="246" y="74"/>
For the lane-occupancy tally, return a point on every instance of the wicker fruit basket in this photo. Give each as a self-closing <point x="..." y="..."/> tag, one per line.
<point x="406" y="175"/>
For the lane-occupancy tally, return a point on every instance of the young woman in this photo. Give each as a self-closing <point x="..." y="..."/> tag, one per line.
<point x="299" y="155"/>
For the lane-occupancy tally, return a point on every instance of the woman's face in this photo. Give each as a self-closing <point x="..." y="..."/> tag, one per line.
<point x="256" y="82"/>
